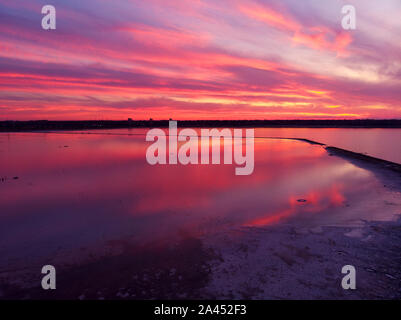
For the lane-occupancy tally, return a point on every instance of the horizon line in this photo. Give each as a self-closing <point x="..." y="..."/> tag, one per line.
<point x="171" y="119"/>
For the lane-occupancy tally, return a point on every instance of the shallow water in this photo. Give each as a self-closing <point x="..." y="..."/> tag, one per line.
<point x="75" y="190"/>
<point x="377" y="142"/>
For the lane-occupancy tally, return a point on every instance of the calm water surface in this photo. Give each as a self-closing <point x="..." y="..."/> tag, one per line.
<point x="377" y="142"/>
<point x="381" y="143"/>
<point x="75" y="190"/>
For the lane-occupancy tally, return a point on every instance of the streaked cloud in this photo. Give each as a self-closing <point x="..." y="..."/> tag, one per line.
<point x="200" y="59"/>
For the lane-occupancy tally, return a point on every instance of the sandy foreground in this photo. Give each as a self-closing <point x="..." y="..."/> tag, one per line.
<point x="281" y="261"/>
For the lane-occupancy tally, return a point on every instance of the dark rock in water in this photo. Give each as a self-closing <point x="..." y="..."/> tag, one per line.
<point x="301" y="200"/>
<point x="15" y="178"/>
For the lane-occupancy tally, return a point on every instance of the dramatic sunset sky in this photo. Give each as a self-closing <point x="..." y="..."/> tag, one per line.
<point x="200" y="59"/>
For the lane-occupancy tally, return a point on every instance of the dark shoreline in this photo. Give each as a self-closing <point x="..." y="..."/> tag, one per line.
<point x="350" y="155"/>
<point x="39" y="125"/>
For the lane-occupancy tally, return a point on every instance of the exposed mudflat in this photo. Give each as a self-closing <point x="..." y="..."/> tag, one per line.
<point x="286" y="262"/>
<point x="278" y="262"/>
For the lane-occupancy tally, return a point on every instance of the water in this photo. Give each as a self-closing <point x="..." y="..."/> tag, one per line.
<point x="380" y="143"/>
<point x="77" y="190"/>
<point x="377" y="142"/>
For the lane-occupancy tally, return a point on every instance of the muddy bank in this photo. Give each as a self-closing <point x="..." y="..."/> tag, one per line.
<point x="277" y="262"/>
<point x="363" y="160"/>
<point x="288" y="262"/>
<point x="117" y="270"/>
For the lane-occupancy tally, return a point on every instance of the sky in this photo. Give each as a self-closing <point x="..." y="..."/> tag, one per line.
<point x="200" y="59"/>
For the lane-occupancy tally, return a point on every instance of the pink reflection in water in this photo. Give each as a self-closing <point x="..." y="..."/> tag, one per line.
<point x="80" y="189"/>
